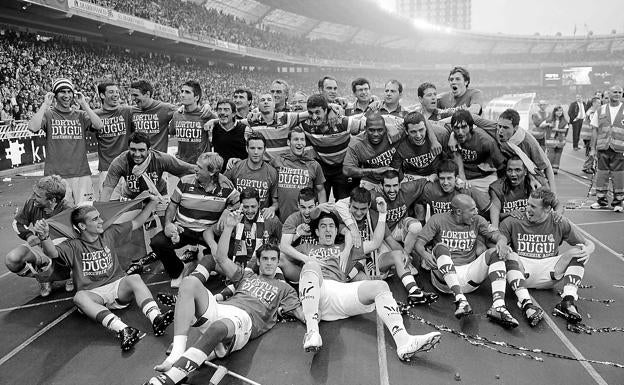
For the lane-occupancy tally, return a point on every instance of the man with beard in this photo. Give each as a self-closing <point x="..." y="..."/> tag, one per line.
<point x="456" y="267"/>
<point x="197" y="203"/>
<point x="28" y="260"/>
<point x="477" y="152"/>
<point x="66" y="144"/>
<point x="515" y="141"/>
<point x="242" y="100"/>
<point x="326" y="294"/>
<point x="188" y="125"/>
<point x="229" y="136"/>
<point x="296" y="171"/>
<point x="228" y="326"/>
<point x="535" y="261"/>
<point x="370" y="155"/>
<point x="113" y="138"/>
<point x="151" y="116"/>
<point x="255" y="172"/>
<point x="414" y="154"/>
<point x="142" y="168"/>
<point x="460" y="96"/>
<point x="329" y="141"/>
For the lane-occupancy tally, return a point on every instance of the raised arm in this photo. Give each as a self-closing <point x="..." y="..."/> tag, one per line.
<point x="228" y="267"/>
<point x="36" y="121"/>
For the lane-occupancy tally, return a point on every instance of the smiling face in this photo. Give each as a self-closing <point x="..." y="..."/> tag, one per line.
<point x="64" y="98"/>
<point x="297" y="143"/>
<point x="391" y="188"/>
<point x="317" y="115"/>
<point x="93" y="223"/>
<point x="358" y="210"/>
<point x="375" y="131"/>
<point x="225" y="113"/>
<point x="458" y="84"/>
<point x="467" y="215"/>
<point x="138" y="152"/>
<point x="416" y="133"/>
<point x="142" y="100"/>
<point x="249" y="208"/>
<point x="447" y="181"/>
<point x="362" y="93"/>
<point x="110" y="97"/>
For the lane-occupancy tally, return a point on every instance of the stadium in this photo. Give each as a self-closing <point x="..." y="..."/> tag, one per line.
<point x="264" y="49"/>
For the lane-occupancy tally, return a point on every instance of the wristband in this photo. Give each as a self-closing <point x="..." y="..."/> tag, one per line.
<point x="382" y="217"/>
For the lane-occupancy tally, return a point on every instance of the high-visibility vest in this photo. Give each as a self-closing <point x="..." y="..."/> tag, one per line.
<point x="610" y="135"/>
<point x="586" y="130"/>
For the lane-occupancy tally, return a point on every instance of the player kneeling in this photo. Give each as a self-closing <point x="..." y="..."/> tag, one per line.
<point x="535" y="262"/>
<point x="100" y="282"/>
<point x="325" y="295"/>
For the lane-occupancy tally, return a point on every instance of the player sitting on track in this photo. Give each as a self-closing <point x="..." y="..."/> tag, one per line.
<point x="227" y="326"/>
<point x="100" y="282"/>
<point x="535" y="262"/>
<point x="27" y="260"/>
<point x="456" y="268"/>
<point x="327" y="296"/>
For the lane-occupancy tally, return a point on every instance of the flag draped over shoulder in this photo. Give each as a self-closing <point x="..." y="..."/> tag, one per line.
<point x="111" y="213"/>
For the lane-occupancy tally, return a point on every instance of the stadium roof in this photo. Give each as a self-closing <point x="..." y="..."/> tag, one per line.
<point x="364" y="22"/>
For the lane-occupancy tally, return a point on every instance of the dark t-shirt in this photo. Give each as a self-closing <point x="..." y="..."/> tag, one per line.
<point x="154" y="121"/>
<point x="66" y="144"/>
<point x="260" y="297"/>
<point x="539" y="240"/>
<point x="264" y="180"/>
<point x="328" y="258"/>
<point x="161" y="162"/>
<point x="96" y="264"/>
<point x="418" y="160"/>
<point x="113" y="138"/>
<point x="290" y="227"/>
<point x="229" y="144"/>
<point x="479" y="152"/>
<point x="193" y="140"/>
<point x="440" y="201"/>
<point x="409" y="192"/>
<point x="470" y="97"/>
<point x="362" y="154"/>
<point x="513" y="199"/>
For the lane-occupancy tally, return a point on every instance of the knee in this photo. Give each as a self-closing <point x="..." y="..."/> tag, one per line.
<point x="15" y="256"/>
<point x="189" y="285"/>
<point x="81" y="298"/>
<point x="378" y="286"/>
<point x="159" y="240"/>
<point x="492" y="256"/>
<point x="134" y="280"/>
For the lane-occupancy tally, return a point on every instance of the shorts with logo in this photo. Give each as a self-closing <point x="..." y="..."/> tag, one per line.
<point x="339" y="300"/>
<point x="110" y="294"/>
<point x="539" y="273"/>
<point x="470" y="276"/>
<point x="79" y="189"/>
<point x="402" y="228"/>
<point x="239" y="317"/>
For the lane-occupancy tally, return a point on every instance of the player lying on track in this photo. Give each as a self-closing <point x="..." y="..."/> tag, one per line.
<point x="226" y="326"/>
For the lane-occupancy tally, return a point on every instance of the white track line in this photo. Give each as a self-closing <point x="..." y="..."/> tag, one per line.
<point x="586" y="365"/>
<point x="41" y="332"/>
<point x="381" y="351"/>
<point x="599" y="223"/>
<point x="33" y="305"/>
<point x="5" y="274"/>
